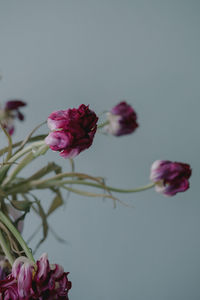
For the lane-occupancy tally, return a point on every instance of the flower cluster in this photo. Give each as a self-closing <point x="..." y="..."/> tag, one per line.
<point x="73" y="130"/>
<point x="30" y="281"/>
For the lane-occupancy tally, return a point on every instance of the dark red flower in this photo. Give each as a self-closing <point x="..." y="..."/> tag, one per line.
<point x="170" y="177"/>
<point x="122" y="120"/>
<point x="73" y="130"/>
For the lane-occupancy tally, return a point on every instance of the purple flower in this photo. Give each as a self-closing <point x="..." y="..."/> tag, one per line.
<point x="73" y="130"/>
<point x="170" y="177"/>
<point x="122" y="120"/>
<point x="29" y="281"/>
<point x="10" y="112"/>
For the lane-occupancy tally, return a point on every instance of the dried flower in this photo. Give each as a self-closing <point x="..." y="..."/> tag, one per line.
<point x="10" y="112"/>
<point x="122" y="120"/>
<point x="35" y="281"/>
<point x="170" y="177"/>
<point x="74" y="130"/>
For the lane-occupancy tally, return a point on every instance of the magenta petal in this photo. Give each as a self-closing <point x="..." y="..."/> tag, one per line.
<point x="59" y="140"/>
<point x="74" y="130"/>
<point x="43" y="268"/>
<point x="24" y="280"/>
<point x="57" y="119"/>
<point x="69" y="153"/>
<point x="122" y="120"/>
<point x="170" y="177"/>
<point x="14" y="104"/>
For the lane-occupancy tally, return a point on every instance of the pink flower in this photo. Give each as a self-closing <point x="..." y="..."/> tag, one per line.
<point x="73" y="130"/>
<point x="30" y="281"/>
<point x="170" y="177"/>
<point x="10" y="112"/>
<point x="122" y="120"/>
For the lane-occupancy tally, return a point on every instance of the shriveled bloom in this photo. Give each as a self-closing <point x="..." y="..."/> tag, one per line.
<point x="73" y="130"/>
<point x="170" y="177"/>
<point x="10" y="112"/>
<point x="30" y="281"/>
<point x="122" y="120"/>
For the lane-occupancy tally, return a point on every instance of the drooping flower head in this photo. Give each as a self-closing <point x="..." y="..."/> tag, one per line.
<point x="73" y="130"/>
<point x="30" y="281"/>
<point x="122" y="120"/>
<point x="10" y="112"/>
<point x="170" y="177"/>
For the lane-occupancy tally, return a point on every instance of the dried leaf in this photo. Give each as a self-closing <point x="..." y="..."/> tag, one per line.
<point x="57" y="202"/>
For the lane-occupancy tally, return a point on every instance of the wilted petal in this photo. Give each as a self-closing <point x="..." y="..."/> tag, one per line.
<point x="43" y="268"/>
<point x="24" y="280"/>
<point x="74" y="130"/>
<point x="59" y="140"/>
<point x="14" y="104"/>
<point x="122" y="120"/>
<point x="170" y="177"/>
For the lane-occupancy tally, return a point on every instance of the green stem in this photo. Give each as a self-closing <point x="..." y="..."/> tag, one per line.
<point x="32" y="139"/>
<point x="37" y="184"/>
<point x="103" y="124"/>
<point x="9" y="142"/>
<point x="113" y="189"/>
<point x="6" y="249"/>
<point x="36" y="145"/>
<point x="26" y="160"/>
<point x="25" y="150"/>
<point x="17" y="235"/>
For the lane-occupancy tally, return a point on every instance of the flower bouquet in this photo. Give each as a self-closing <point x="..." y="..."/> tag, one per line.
<point x="71" y="132"/>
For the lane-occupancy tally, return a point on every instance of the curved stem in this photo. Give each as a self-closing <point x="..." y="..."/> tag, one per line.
<point x="6" y="249"/>
<point x="17" y="235"/>
<point x="25" y="150"/>
<point x="9" y="142"/>
<point x="32" y="139"/>
<point x="113" y="189"/>
<point x="81" y="182"/>
<point x="26" y="160"/>
<point x="16" y="156"/>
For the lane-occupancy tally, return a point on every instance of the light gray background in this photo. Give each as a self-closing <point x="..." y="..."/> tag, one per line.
<point x="59" y="54"/>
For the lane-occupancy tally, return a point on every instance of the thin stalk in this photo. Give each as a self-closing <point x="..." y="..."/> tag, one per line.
<point x="103" y="124"/>
<point x="6" y="249"/>
<point x="81" y="182"/>
<point x="12" y="160"/>
<point x="17" y="235"/>
<point x="26" y="160"/>
<point x="32" y="139"/>
<point x="9" y="143"/>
